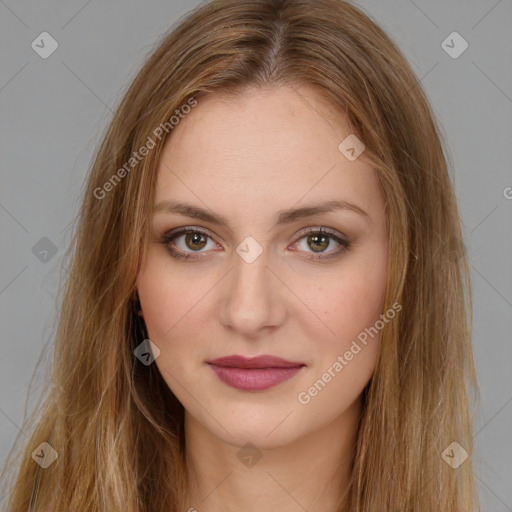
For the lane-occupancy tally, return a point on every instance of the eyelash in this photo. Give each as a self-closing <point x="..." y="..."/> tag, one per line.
<point x="170" y="237"/>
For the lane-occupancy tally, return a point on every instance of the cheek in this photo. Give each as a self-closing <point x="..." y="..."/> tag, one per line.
<point x="351" y="301"/>
<point x="347" y="358"/>
<point x="169" y="299"/>
<point x="352" y="304"/>
<point x="170" y="305"/>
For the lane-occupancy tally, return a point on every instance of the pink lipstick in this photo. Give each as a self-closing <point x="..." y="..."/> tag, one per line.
<point x="254" y="374"/>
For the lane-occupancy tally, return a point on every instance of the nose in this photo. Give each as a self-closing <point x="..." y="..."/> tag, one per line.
<point x="252" y="302"/>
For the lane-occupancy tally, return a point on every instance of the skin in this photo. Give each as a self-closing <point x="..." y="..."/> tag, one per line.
<point x="246" y="158"/>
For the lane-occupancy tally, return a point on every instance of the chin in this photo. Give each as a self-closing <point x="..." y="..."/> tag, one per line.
<point x="259" y="437"/>
<point x="265" y="431"/>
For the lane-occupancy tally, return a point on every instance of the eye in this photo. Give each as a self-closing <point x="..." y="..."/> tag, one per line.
<point x="320" y="239"/>
<point x="194" y="240"/>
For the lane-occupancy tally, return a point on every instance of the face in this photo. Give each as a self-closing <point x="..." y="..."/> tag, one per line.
<point x="258" y="278"/>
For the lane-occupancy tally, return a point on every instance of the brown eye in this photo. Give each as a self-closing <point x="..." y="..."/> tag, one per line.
<point x="316" y="242"/>
<point x="188" y="243"/>
<point x="195" y="241"/>
<point x="319" y="242"/>
<point x="185" y="242"/>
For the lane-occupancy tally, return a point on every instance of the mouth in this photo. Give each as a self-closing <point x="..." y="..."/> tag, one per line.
<point x="256" y="373"/>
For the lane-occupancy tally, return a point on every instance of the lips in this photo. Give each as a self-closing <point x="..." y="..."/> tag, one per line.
<point x="254" y="374"/>
<point x="254" y="362"/>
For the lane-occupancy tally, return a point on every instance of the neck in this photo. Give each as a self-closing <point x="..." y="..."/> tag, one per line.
<point x="312" y="473"/>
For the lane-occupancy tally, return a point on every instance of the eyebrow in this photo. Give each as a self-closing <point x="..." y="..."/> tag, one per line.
<point x="282" y="217"/>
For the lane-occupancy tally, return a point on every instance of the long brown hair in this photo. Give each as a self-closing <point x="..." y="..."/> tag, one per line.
<point x="114" y="423"/>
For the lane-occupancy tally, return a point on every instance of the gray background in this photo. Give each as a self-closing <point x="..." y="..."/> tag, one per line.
<point x="54" y="111"/>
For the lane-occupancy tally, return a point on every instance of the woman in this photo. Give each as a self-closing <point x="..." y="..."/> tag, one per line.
<point x="268" y="305"/>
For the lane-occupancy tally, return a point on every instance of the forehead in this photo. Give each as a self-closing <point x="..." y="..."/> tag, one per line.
<point x="263" y="148"/>
<point x="272" y="123"/>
